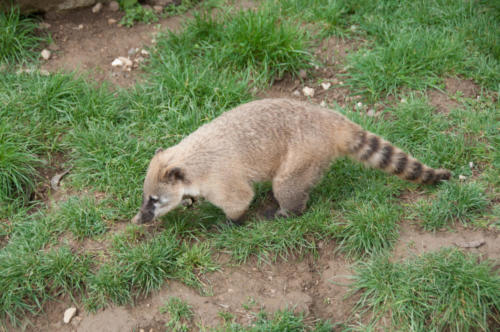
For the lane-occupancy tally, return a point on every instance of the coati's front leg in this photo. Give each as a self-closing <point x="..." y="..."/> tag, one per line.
<point x="233" y="198"/>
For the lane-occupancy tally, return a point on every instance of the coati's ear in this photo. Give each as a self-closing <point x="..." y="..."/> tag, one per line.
<point x="158" y="150"/>
<point x="171" y="175"/>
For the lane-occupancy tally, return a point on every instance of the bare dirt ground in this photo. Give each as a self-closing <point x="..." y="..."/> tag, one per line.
<point x="316" y="286"/>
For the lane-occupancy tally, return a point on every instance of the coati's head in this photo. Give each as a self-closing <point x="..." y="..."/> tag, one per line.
<point x="163" y="189"/>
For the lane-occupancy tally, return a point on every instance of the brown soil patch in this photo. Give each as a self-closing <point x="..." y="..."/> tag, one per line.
<point x="85" y="42"/>
<point x="316" y="287"/>
<point x="441" y="101"/>
<point x="414" y="241"/>
<point x="467" y="88"/>
<point x="444" y="102"/>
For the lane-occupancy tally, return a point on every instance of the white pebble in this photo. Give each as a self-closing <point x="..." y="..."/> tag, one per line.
<point x="462" y="177"/>
<point x="359" y="104"/>
<point x="45" y="54"/>
<point x="111" y="21"/>
<point x="471" y="165"/>
<point x="296" y="93"/>
<point x="326" y="85"/>
<point x="69" y="314"/>
<point x="97" y="8"/>
<point x="308" y="92"/>
<point x="144" y="52"/>
<point x="117" y="62"/>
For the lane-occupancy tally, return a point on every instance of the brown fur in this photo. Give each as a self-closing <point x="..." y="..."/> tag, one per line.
<point x="288" y="142"/>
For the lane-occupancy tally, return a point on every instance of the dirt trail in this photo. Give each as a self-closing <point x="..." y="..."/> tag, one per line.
<point x="314" y="286"/>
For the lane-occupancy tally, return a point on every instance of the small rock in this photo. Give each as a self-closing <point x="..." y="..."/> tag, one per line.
<point x="144" y="52"/>
<point x="114" y="6"/>
<point x="462" y="177"/>
<point x="371" y="112"/>
<point x="471" y="165"/>
<point x="296" y="93"/>
<point x="359" y="104"/>
<point x="45" y="54"/>
<point x="111" y="21"/>
<point x="303" y="74"/>
<point x="97" y="8"/>
<point x="403" y="100"/>
<point x="69" y="314"/>
<point x="44" y="25"/>
<point x="326" y="85"/>
<point x="323" y="103"/>
<point x="308" y="92"/>
<point x="79" y="27"/>
<point x="158" y="9"/>
<point x="117" y="62"/>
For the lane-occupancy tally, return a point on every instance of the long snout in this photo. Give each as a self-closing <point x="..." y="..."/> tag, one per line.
<point x="141" y="218"/>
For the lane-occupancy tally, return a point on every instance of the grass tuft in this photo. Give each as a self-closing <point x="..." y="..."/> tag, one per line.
<point x="17" y="37"/>
<point x="180" y="313"/>
<point x="83" y="216"/>
<point x="369" y="228"/>
<point x="18" y="165"/>
<point x="454" y="201"/>
<point x="442" y="291"/>
<point x="283" y="320"/>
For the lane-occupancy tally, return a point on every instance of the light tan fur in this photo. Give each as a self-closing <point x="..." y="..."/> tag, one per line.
<point x="288" y="142"/>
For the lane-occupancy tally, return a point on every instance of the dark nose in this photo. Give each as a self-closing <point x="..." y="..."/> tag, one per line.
<point x="143" y="217"/>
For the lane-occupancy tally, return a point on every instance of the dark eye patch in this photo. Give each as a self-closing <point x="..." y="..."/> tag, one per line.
<point x="153" y="199"/>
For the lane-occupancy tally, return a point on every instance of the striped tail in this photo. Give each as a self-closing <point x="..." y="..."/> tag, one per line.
<point x="379" y="153"/>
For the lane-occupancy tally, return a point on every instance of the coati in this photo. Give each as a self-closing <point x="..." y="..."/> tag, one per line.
<point x="287" y="142"/>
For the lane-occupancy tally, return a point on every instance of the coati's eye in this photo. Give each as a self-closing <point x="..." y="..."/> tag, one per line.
<point x="153" y="199"/>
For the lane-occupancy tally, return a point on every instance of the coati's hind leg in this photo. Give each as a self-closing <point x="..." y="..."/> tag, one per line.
<point x="291" y="189"/>
<point x="234" y="199"/>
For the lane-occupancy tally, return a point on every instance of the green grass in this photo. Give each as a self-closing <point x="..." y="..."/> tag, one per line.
<point x="84" y="217"/>
<point x="453" y="202"/>
<point x="30" y="279"/>
<point x="284" y="320"/>
<point x="368" y="228"/>
<point x="180" y="313"/>
<point x="18" y="162"/>
<point x="18" y="40"/>
<point x="411" y="43"/>
<point x="442" y="291"/>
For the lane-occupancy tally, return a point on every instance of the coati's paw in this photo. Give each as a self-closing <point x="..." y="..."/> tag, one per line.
<point x="238" y="222"/>
<point x="269" y="213"/>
